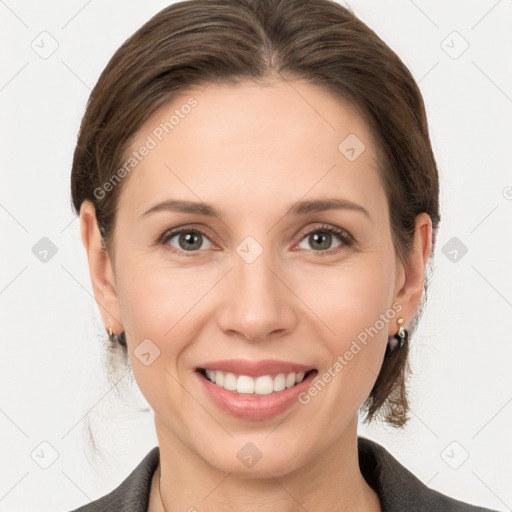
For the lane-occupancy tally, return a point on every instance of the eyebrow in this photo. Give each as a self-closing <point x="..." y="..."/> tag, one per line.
<point x="320" y="205"/>
<point x="299" y="208"/>
<point x="184" y="207"/>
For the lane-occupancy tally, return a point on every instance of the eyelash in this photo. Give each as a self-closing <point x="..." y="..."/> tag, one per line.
<point x="344" y="236"/>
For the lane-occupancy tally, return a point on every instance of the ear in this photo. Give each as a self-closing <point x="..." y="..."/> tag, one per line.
<point x="410" y="279"/>
<point x="100" y="268"/>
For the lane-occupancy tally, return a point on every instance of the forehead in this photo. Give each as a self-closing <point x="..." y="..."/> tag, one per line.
<point x="250" y="142"/>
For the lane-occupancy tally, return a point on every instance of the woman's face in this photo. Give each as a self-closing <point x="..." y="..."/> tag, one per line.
<point x="265" y="281"/>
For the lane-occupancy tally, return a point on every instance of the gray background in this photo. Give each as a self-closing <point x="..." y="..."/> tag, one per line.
<point x="52" y="380"/>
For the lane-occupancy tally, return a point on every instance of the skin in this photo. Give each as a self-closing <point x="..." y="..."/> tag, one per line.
<point x="252" y="151"/>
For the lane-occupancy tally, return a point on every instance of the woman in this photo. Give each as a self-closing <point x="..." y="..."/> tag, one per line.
<point x="258" y="201"/>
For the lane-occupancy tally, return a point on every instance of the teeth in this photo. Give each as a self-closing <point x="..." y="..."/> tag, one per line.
<point x="290" y="380"/>
<point x="219" y="378"/>
<point x="229" y="381"/>
<point x="263" y="385"/>
<point x="280" y="382"/>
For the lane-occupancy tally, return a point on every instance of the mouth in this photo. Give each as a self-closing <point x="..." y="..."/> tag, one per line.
<point x="255" y="385"/>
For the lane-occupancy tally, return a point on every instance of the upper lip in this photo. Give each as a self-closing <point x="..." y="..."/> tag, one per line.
<point x="255" y="368"/>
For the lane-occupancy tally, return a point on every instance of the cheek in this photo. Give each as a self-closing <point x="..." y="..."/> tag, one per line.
<point x="352" y="297"/>
<point x="354" y="308"/>
<point x="155" y="300"/>
<point x="157" y="308"/>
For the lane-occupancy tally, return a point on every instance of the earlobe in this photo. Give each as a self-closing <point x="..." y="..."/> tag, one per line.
<point x="409" y="295"/>
<point x="100" y="268"/>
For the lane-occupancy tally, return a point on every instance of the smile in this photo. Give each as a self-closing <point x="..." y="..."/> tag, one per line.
<point x="260" y="385"/>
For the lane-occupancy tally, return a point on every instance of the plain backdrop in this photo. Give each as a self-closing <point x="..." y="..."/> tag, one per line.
<point x="52" y="380"/>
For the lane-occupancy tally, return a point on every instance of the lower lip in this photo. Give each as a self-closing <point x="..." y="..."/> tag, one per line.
<point x="252" y="406"/>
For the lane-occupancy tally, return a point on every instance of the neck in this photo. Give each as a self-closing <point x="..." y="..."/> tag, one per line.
<point x="333" y="481"/>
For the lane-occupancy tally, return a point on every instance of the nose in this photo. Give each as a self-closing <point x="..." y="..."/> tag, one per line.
<point x="258" y="305"/>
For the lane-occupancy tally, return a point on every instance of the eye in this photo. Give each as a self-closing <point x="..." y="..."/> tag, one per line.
<point x="187" y="240"/>
<point x="191" y="240"/>
<point x="321" y="238"/>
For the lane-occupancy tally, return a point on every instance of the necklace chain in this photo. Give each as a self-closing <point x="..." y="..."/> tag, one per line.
<point x="159" y="493"/>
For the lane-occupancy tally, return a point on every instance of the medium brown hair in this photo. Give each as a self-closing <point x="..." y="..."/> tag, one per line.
<point x="199" y="42"/>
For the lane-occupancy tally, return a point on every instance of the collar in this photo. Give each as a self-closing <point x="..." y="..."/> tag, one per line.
<point x="398" y="489"/>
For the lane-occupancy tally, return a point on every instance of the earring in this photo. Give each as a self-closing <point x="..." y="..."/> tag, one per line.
<point x="117" y="338"/>
<point x="402" y="335"/>
<point x="400" y="338"/>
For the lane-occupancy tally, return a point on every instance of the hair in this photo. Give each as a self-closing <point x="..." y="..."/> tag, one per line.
<point x="198" y="42"/>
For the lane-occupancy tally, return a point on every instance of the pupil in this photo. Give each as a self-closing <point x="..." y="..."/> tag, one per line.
<point x="188" y="240"/>
<point x="325" y="236"/>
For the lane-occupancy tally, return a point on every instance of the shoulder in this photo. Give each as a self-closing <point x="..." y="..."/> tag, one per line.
<point x="132" y="495"/>
<point x="398" y="488"/>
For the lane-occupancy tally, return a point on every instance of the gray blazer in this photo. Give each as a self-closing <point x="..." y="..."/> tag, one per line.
<point x="399" y="490"/>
